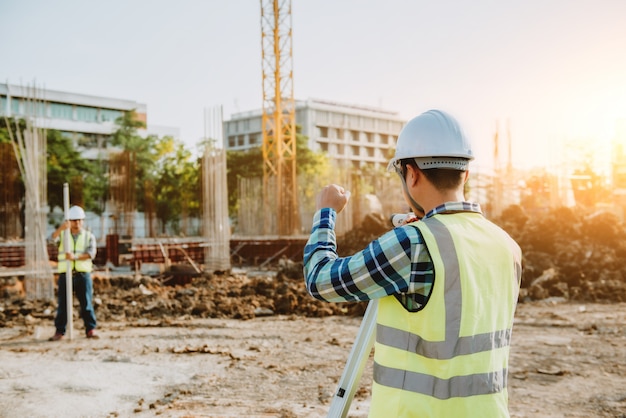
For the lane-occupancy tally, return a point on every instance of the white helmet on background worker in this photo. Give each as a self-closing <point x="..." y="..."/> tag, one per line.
<point x="76" y="212"/>
<point x="435" y="140"/>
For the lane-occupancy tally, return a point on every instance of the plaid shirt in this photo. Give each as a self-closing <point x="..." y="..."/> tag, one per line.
<point x="383" y="268"/>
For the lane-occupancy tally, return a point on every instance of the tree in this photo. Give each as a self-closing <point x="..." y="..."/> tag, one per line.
<point x="65" y="165"/>
<point x="176" y="183"/>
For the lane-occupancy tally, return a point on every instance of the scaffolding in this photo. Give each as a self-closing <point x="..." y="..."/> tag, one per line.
<point x="30" y="148"/>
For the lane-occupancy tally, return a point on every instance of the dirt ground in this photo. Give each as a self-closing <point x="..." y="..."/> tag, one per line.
<point x="567" y="360"/>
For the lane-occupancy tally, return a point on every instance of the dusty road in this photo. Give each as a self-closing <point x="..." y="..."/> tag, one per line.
<point x="568" y="360"/>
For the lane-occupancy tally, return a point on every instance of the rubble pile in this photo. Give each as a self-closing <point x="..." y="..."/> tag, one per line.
<point x="220" y="295"/>
<point x="232" y="295"/>
<point x="569" y="254"/>
<point x="566" y="255"/>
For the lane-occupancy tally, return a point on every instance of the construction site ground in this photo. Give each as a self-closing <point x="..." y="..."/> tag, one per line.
<point x="253" y="344"/>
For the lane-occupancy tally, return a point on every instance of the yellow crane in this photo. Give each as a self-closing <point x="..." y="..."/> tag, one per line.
<point x="279" y="120"/>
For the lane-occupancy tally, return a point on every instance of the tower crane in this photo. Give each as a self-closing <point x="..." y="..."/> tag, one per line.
<point x="278" y="120"/>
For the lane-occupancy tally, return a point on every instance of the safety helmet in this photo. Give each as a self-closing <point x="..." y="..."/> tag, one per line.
<point x="435" y="140"/>
<point x="76" y="212"/>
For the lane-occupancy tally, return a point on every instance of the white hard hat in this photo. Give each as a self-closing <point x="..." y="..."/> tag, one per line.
<point x="435" y="140"/>
<point x="76" y="212"/>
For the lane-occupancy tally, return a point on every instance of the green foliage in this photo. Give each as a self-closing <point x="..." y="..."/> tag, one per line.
<point x="65" y="165"/>
<point x="167" y="166"/>
<point x="126" y="135"/>
<point x="96" y="186"/>
<point x="176" y="179"/>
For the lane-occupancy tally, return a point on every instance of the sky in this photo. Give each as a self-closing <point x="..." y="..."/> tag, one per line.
<point x="548" y="72"/>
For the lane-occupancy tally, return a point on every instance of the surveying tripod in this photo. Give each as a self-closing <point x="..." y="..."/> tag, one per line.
<point x="340" y="404"/>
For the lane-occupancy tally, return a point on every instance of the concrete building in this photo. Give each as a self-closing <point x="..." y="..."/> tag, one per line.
<point x="349" y="134"/>
<point x="87" y="119"/>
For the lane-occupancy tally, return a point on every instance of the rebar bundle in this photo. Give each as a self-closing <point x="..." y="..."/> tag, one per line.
<point x="10" y="194"/>
<point x="216" y="223"/>
<point x="122" y="186"/>
<point x="30" y="148"/>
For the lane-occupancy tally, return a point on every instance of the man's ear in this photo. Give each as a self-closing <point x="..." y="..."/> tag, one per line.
<point x="413" y="175"/>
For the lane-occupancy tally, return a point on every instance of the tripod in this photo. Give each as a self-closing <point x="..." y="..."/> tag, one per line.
<point x="340" y="404"/>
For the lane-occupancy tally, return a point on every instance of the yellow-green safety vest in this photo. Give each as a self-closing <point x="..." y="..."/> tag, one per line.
<point x="79" y="246"/>
<point x="450" y="359"/>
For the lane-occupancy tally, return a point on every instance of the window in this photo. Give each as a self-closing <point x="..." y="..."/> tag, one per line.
<point x="61" y="111"/>
<point x="322" y="131"/>
<point x="354" y="121"/>
<point x="15" y="106"/>
<point x="110" y="115"/>
<point x="86" y="114"/>
<point x="42" y="109"/>
<point x="254" y="139"/>
<point x="231" y="142"/>
<point x="240" y="140"/>
<point x="368" y="123"/>
<point x="3" y="105"/>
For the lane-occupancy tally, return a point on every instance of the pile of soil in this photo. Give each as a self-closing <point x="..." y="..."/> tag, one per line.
<point x="565" y="255"/>
<point x="569" y="254"/>
<point x="243" y="295"/>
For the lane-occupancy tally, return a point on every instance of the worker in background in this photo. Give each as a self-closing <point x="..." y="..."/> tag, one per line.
<point x="447" y="284"/>
<point x="81" y="253"/>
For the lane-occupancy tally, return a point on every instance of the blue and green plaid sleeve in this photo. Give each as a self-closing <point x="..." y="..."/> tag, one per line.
<point x="382" y="268"/>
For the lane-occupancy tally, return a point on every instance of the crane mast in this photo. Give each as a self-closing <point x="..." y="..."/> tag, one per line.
<point x="279" y="120"/>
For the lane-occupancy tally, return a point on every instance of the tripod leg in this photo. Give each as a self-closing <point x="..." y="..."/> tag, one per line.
<point x="340" y="404"/>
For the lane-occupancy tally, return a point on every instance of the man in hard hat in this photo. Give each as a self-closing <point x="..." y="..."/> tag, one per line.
<point x="447" y="285"/>
<point x="81" y="253"/>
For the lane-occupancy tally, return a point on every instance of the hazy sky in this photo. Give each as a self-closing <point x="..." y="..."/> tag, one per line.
<point x="554" y="69"/>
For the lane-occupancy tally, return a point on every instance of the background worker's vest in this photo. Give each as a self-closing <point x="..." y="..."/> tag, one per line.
<point x="450" y="359"/>
<point x="78" y="246"/>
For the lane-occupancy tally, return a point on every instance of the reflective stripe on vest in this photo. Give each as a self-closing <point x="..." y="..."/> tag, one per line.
<point x="79" y="245"/>
<point x="442" y="362"/>
<point x="454" y="387"/>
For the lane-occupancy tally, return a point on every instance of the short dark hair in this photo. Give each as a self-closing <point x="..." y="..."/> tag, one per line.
<point x="441" y="178"/>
